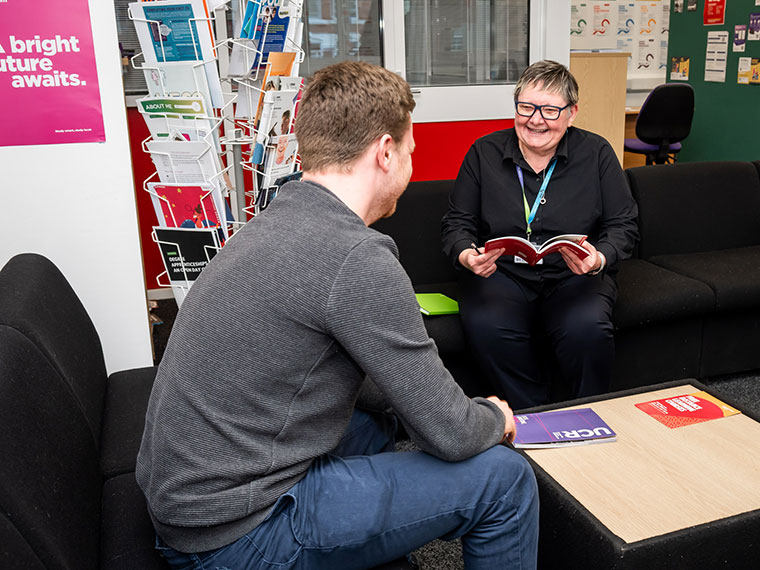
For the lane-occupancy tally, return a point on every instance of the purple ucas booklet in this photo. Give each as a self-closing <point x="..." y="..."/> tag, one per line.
<point x="561" y="428"/>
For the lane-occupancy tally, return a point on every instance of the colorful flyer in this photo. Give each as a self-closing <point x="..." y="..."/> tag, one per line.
<point x="716" y="56"/>
<point x="602" y="19"/>
<point x="753" y="29"/>
<point x="740" y="38"/>
<point x="687" y="409"/>
<point x="679" y="68"/>
<point x="647" y="59"/>
<point x="580" y="30"/>
<point x="48" y="76"/>
<point x="744" y="70"/>
<point x="754" y="74"/>
<point x="714" y="13"/>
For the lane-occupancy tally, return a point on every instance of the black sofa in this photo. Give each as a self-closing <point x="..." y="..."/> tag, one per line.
<point x="69" y="433"/>
<point x="689" y="299"/>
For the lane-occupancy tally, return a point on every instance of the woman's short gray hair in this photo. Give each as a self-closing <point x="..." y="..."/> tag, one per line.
<point x="550" y="76"/>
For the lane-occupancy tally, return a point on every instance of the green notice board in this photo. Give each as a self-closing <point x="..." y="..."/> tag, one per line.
<point x="727" y="115"/>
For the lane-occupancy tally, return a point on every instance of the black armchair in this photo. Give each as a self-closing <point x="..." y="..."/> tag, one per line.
<point x="664" y="121"/>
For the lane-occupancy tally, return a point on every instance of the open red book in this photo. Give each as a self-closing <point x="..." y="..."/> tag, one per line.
<point x="521" y="247"/>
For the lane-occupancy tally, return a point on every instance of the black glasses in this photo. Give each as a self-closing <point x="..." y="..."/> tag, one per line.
<point x="548" y="112"/>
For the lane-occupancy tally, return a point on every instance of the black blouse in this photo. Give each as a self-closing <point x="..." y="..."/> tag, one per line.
<point x="587" y="194"/>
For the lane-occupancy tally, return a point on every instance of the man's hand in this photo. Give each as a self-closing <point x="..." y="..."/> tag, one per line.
<point x="480" y="263"/>
<point x="593" y="262"/>
<point x="509" y="419"/>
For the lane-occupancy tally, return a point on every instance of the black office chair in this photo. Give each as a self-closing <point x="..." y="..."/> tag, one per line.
<point x="663" y="122"/>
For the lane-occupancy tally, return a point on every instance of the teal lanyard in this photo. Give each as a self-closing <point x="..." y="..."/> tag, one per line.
<point x="530" y="213"/>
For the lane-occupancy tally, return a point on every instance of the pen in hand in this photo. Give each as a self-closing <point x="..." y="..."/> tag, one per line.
<point x="475" y="247"/>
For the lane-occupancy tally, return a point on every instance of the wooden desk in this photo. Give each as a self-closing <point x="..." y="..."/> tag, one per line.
<point x="657" y="497"/>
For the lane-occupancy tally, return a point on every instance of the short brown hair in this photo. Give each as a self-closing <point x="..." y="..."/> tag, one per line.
<point x="551" y="76"/>
<point x="346" y="107"/>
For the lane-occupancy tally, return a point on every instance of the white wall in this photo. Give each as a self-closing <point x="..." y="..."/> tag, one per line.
<point x="75" y="204"/>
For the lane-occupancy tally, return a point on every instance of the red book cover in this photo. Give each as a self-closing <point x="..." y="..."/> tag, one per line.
<point x="688" y="409"/>
<point x="521" y="247"/>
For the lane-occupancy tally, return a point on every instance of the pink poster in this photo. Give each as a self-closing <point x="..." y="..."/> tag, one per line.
<point x="48" y="80"/>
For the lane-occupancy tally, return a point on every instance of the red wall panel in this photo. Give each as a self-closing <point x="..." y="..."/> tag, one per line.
<point x="442" y="146"/>
<point x="142" y="168"/>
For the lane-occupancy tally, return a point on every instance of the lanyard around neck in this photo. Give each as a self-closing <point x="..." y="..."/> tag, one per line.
<point x="530" y="213"/>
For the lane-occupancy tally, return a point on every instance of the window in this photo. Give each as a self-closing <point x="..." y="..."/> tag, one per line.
<point x="337" y="30"/>
<point x="461" y="57"/>
<point x="476" y="42"/>
<point x="134" y="82"/>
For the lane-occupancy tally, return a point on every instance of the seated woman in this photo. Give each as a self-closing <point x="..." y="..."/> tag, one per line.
<point x="540" y="179"/>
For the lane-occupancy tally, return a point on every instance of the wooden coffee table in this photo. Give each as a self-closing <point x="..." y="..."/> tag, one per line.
<point x="657" y="497"/>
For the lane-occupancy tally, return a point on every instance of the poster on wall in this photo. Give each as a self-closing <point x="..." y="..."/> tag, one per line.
<point x="753" y="29"/>
<point x="714" y="13"/>
<point x="48" y="79"/>
<point x="679" y="68"/>
<point x="626" y="29"/>
<point x="743" y="71"/>
<point x="754" y="71"/>
<point x="740" y="38"/>
<point x="716" y="56"/>
<point x="593" y="25"/>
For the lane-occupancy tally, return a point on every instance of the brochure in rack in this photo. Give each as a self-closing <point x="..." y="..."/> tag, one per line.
<point x="187" y="206"/>
<point x="173" y="30"/>
<point x="185" y="252"/>
<point x="687" y="409"/>
<point x="278" y="28"/>
<point x="280" y="159"/>
<point x="185" y="79"/>
<point x="176" y="118"/>
<point x="277" y="113"/>
<point x="561" y="428"/>
<point x="185" y="162"/>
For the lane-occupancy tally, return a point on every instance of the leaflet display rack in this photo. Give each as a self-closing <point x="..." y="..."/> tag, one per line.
<point x="207" y="130"/>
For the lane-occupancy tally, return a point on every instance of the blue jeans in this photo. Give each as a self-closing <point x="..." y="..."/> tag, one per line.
<point x="362" y="506"/>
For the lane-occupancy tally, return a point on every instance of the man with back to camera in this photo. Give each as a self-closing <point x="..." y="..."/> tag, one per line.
<point x="265" y="442"/>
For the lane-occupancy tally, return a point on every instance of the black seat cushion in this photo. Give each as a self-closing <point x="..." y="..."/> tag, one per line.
<point x="128" y="538"/>
<point x="445" y="330"/>
<point x="648" y="293"/>
<point x="124" y="419"/>
<point x="36" y="299"/>
<point x="50" y="480"/>
<point x="15" y="551"/>
<point x="733" y="274"/>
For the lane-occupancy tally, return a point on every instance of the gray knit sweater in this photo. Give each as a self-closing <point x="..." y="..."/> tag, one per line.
<point x="266" y="360"/>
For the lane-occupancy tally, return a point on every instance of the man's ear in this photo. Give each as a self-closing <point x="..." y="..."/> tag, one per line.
<point x="384" y="152"/>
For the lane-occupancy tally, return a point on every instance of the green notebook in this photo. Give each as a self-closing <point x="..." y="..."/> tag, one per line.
<point x="437" y="304"/>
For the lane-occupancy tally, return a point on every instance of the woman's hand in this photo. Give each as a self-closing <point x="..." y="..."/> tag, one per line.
<point x="480" y="263"/>
<point x="593" y="262"/>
